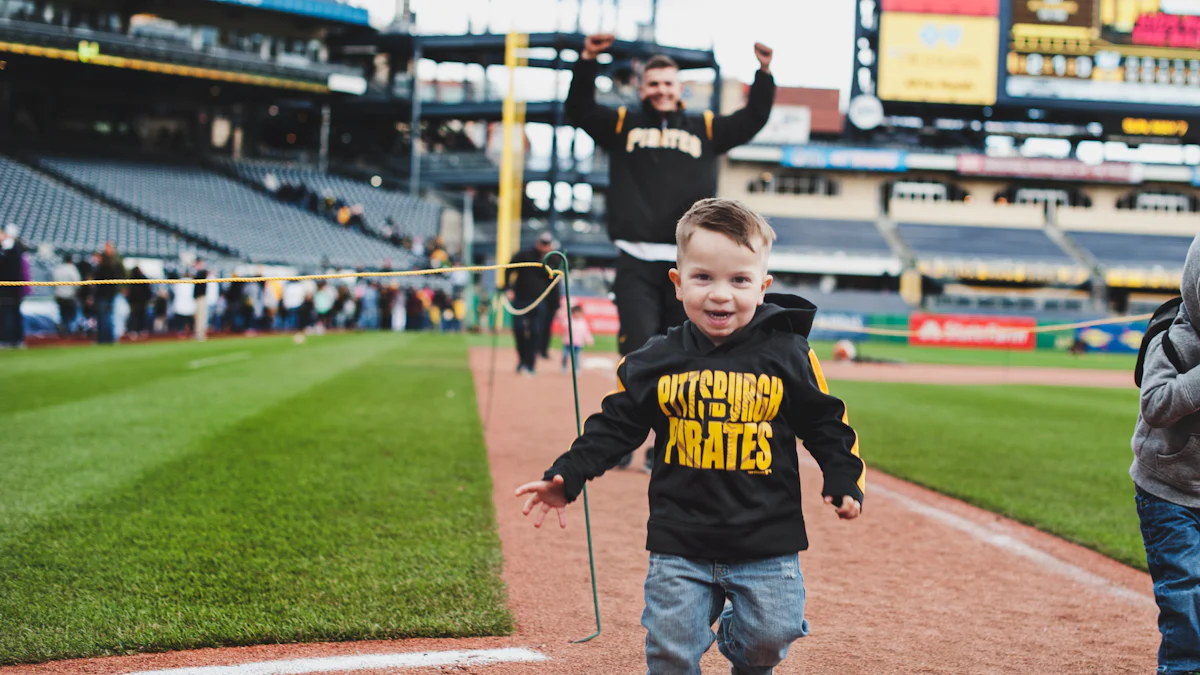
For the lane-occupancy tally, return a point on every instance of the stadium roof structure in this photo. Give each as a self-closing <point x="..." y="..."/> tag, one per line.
<point x="325" y="10"/>
<point x="488" y="48"/>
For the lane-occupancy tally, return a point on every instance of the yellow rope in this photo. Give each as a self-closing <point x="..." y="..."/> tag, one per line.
<point x="557" y="274"/>
<point x="314" y="277"/>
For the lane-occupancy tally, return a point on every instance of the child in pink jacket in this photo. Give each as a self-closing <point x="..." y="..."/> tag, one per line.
<point x="583" y="335"/>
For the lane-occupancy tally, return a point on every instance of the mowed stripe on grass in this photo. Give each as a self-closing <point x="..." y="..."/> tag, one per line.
<point x="1056" y="458"/>
<point x="331" y="491"/>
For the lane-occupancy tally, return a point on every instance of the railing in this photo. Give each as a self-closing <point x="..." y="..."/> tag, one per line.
<point x="162" y="49"/>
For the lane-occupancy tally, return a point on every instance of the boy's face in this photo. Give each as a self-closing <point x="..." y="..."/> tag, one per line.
<point x="720" y="284"/>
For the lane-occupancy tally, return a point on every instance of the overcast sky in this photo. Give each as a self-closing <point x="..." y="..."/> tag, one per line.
<point x="813" y="43"/>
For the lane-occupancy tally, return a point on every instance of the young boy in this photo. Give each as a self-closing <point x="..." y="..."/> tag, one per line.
<point x="727" y="394"/>
<point x="1166" y="473"/>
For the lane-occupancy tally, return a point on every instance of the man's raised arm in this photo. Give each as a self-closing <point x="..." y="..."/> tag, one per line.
<point x="730" y="131"/>
<point x="598" y="121"/>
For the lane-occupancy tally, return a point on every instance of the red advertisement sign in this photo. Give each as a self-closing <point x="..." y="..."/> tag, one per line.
<point x="600" y="314"/>
<point x="960" y="7"/>
<point x="962" y="330"/>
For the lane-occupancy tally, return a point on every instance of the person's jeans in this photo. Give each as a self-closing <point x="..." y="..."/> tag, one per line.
<point x="684" y="596"/>
<point x="104" y="321"/>
<point x="567" y="349"/>
<point x="1171" y="534"/>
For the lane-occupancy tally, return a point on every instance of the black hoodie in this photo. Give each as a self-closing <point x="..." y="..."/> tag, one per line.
<point x="660" y="164"/>
<point x="726" y="480"/>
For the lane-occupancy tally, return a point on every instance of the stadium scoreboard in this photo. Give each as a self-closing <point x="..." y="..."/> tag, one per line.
<point x="1133" y="63"/>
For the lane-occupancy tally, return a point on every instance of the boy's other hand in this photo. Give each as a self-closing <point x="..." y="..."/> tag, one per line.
<point x="849" y="509"/>
<point x="548" y="493"/>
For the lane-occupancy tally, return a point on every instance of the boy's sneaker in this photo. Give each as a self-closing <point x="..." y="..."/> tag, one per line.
<point x="625" y="461"/>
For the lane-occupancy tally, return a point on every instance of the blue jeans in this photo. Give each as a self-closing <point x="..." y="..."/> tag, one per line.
<point x="684" y="596"/>
<point x="567" y="349"/>
<point x="105" y="333"/>
<point x="1171" y="534"/>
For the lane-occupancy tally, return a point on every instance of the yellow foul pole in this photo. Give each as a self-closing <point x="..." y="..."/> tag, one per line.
<point x="512" y="162"/>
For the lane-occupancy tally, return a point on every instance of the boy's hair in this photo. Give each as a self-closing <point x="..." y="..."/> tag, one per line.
<point x="728" y="217"/>
<point x="660" y="61"/>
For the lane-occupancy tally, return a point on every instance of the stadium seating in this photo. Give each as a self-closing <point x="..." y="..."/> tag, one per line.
<point x="49" y="212"/>
<point x="982" y="243"/>
<point x="414" y="216"/>
<point x="221" y="210"/>
<point x="851" y="301"/>
<point x="852" y="237"/>
<point x="1134" y="250"/>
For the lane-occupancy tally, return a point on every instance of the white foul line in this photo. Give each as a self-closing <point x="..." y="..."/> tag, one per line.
<point x="327" y="664"/>
<point x="218" y="360"/>
<point x="1017" y="547"/>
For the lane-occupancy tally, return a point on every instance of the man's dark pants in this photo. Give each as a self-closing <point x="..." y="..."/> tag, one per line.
<point x="646" y="306"/>
<point x="527" y="330"/>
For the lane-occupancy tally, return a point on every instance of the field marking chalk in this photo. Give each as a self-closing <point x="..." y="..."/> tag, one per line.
<point x="1017" y="547"/>
<point x="477" y="657"/>
<point x="218" y="360"/>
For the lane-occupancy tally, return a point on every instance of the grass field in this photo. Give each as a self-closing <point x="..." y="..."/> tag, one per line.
<point x="181" y="495"/>
<point x="1053" y="457"/>
<point x="177" y="495"/>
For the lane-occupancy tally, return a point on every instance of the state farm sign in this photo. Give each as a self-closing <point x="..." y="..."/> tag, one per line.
<point x="961" y="330"/>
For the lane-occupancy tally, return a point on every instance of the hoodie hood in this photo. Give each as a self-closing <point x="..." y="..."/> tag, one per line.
<point x="1189" y="288"/>
<point x="779" y="311"/>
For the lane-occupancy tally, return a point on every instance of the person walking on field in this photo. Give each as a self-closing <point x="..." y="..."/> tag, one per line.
<point x="662" y="160"/>
<point x="525" y="285"/>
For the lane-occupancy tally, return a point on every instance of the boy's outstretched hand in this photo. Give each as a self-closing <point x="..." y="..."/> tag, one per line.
<point x="849" y="509"/>
<point x="548" y="493"/>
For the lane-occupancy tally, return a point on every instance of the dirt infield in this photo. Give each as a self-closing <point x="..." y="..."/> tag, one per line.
<point x="919" y="584"/>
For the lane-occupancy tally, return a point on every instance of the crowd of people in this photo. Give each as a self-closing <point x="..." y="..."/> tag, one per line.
<point x="140" y="308"/>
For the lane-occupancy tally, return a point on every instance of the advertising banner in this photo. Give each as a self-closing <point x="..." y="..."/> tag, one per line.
<point x="838" y="326"/>
<point x="970" y="7"/>
<point x="936" y="58"/>
<point x="1122" y="339"/>
<point x="1054" y="169"/>
<point x="963" y="330"/>
<point x="854" y="159"/>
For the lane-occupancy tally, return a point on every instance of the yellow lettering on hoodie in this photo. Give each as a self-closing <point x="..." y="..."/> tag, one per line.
<point x="714" y="453"/>
<point x="635" y="138"/>
<point x="673" y="440"/>
<point x="693" y="433"/>
<point x="776" y="397"/>
<point x="749" y="431"/>
<point x="664" y="394"/>
<point x="763" y="460"/>
<point x="720" y="381"/>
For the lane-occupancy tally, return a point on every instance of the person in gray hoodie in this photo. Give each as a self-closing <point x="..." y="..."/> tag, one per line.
<point x="1166" y="473"/>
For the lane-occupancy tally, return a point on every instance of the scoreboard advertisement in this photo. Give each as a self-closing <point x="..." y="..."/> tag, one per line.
<point x="1134" y="57"/>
